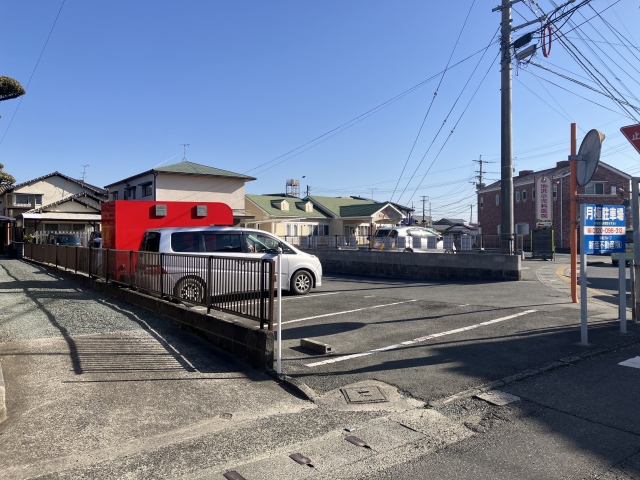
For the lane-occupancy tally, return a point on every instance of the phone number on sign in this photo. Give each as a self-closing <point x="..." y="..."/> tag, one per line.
<point x="604" y="230"/>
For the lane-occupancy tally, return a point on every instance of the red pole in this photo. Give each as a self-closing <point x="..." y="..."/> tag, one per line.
<point x="573" y="217"/>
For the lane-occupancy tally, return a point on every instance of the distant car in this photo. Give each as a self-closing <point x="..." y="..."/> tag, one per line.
<point x="68" y="239"/>
<point x="410" y="231"/>
<point x="96" y="243"/>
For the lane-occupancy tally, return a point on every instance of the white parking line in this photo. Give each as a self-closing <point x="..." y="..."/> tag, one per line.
<point x="418" y="340"/>
<point x="310" y="296"/>
<point x="346" y="311"/>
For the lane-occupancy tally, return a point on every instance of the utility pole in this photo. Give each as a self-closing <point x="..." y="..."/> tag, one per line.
<point x="480" y="172"/>
<point x="430" y="216"/>
<point x="308" y="190"/>
<point x="424" y="199"/>
<point x="471" y="217"/>
<point x="506" y="149"/>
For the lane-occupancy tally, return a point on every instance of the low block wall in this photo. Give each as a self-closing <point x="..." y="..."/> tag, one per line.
<point x="420" y="266"/>
<point x="248" y="343"/>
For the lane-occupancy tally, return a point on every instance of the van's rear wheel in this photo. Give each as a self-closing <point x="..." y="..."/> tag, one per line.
<point x="301" y="282"/>
<point x="190" y="289"/>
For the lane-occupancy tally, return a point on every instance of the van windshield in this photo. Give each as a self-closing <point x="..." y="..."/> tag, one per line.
<point x="150" y="242"/>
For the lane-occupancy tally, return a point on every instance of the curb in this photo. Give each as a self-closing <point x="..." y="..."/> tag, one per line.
<point x="294" y="384"/>
<point x="563" y="362"/>
<point x="3" y="406"/>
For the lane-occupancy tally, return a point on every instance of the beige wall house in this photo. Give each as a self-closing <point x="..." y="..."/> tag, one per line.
<point x="285" y="216"/>
<point x="53" y="202"/>
<point x="354" y="216"/>
<point x="185" y="181"/>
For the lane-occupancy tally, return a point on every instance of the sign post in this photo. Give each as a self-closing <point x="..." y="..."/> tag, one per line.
<point x="602" y="231"/>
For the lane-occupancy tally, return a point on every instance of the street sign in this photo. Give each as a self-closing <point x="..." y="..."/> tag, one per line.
<point x="632" y="132"/>
<point x="544" y="211"/>
<point x="604" y="228"/>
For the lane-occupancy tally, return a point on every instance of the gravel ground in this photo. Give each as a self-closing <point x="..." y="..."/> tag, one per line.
<point x="43" y="305"/>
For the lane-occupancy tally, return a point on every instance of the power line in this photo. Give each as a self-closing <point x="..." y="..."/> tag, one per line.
<point x="33" y="72"/>
<point x="435" y="94"/>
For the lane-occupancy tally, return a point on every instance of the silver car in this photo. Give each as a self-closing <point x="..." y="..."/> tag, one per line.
<point x="233" y="266"/>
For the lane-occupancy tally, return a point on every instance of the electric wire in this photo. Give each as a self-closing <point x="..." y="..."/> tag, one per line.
<point x="449" y="114"/>
<point x="456" y="124"/>
<point x="435" y="94"/>
<point x="33" y="72"/>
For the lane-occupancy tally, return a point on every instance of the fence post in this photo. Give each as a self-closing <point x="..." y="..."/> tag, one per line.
<point x="106" y="267"/>
<point x="161" y="275"/>
<point x="208" y="287"/>
<point x="77" y="248"/>
<point x="131" y="269"/>
<point x="56" y="250"/>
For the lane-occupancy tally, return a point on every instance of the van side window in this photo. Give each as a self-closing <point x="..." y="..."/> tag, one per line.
<point x="150" y="242"/>
<point x="222" y="242"/>
<point x="258" y="243"/>
<point x="185" y="242"/>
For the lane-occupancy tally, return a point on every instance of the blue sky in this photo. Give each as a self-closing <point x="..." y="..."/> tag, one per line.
<point x="121" y="84"/>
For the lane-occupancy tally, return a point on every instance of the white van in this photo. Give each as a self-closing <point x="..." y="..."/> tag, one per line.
<point x="300" y="271"/>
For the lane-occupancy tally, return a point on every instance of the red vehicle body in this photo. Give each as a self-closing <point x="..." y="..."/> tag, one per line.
<point x="125" y="221"/>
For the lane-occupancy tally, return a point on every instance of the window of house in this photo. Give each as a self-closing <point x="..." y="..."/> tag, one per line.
<point x="517" y="195"/>
<point x="132" y="193"/>
<point x="26" y="199"/>
<point x="481" y="202"/>
<point x="533" y="193"/>
<point x="363" y="230"/>
<point x="497" y="199"/>
<point x="555" y="191"/>
<point x="295" y="229"/>
<point x="147" y="190"/>
<point x="522" y="229"/>
<point x="594" y="188"/>
<point x="288" y="229"/>
<point x="524" y="195"/>
<point x="321" y="230"/>
<point x="114" y="195"/>
<point x="51" y="227"/>
<point x="613" y="189"/>
<point x="126" y="194"/>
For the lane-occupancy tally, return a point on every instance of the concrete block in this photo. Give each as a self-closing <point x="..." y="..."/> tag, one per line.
<point x="315" y="346"/>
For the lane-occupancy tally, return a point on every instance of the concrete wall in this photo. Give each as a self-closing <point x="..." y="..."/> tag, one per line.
<point x="420" y="266"/>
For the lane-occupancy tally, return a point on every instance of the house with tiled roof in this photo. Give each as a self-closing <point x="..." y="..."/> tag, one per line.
<point x="185" y="181"/>
<point x="608" y="186"/>
<point x="285" y="216"/>
<point x="355" y="216"/>
<point x="52" y="202"/>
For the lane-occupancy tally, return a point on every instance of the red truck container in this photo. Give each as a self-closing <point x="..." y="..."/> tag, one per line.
<point x="125" y="221"/>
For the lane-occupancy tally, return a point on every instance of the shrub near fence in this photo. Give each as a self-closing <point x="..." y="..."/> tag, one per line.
<point x="235" y="285"/>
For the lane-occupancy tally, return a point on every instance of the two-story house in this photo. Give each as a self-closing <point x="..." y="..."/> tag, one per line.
<point x="53" y="202"/>
<point x="185" y="181"/>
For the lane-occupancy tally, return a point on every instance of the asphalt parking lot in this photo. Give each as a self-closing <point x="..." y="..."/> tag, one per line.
<point x="432" y="339"/>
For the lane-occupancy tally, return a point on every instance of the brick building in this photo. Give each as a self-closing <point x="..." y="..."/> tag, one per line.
<point x="608" y="186"/>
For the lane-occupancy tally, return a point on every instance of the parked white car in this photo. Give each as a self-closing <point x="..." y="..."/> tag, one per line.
<point x="300" y="271"/>
<point x="409" y="231"/>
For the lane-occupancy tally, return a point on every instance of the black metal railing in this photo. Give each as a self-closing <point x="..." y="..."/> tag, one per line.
<point x="237" y="285"/>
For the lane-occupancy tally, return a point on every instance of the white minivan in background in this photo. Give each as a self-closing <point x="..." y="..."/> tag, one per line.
<point x="300" y="271"/>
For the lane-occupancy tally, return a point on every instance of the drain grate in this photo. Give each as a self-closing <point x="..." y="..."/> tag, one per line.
<point x="363" y="395"/>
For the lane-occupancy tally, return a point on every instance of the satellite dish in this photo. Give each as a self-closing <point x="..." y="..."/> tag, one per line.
<point x="589" y="156"/>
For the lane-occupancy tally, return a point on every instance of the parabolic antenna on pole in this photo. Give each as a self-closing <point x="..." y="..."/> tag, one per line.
<point x="589" y="156"/>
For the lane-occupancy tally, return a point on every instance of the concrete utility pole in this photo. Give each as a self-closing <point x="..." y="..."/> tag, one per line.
<point x="471" y="217"/>
<point x="424" y="199"/>
<point x="506" y="150"/>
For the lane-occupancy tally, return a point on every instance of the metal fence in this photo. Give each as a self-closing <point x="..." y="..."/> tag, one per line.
<point x="237" y="285"/>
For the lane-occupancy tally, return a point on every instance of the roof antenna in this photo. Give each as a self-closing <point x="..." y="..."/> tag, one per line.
<point x="84" y="171"/>
<point x="184" y="150"/>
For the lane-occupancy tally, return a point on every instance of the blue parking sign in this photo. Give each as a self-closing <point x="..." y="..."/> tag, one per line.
<point x="604" y="228"/>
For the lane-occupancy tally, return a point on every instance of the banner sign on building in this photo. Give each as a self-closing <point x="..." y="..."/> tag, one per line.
<point x="604" y="228"/>
<point x="544" y="206"/>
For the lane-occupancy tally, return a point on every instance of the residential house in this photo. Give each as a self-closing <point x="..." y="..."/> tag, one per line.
<point x="608" y="186"/>
<point x="285" y="216"/>
<point x="355" y="216"/>
<point x="185" y="181"/>
<point x="53" y="202"/>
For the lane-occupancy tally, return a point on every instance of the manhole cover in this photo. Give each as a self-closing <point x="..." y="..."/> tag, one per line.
<point x="363" y="395"/>
<point x="496" y="397"/>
